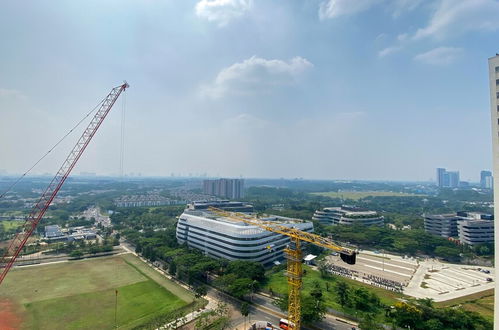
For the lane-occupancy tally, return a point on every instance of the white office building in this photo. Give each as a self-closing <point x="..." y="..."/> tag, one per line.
<point x="476" y="231"/>
<point x="444" y="225"/>
<point x="347" y="215"/>
<point x="494" y="112"/>
<point x="221" y="237"/>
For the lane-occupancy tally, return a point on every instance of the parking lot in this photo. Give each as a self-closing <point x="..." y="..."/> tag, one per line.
<point x="427" y="278"/>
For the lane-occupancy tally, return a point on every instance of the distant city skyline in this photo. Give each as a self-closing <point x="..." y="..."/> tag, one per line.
<point x="255" y="88"/>
<point x="203" y="175"/>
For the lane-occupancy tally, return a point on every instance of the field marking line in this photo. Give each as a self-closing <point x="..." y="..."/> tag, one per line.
<point x="387" y="264"/>
<point x="387" y="270"/>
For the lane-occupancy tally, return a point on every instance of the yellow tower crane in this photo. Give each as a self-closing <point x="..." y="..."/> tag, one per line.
<point x="293" y="255"/>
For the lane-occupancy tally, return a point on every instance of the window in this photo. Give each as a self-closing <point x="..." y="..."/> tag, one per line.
<point x="497" y="82"/>
<point x="497" y="95"/>
<point x="497" y="68"/>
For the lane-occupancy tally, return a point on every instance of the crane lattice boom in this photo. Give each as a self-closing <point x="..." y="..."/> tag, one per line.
<point x="293" y="255"/>
<point x="39" y="209"/>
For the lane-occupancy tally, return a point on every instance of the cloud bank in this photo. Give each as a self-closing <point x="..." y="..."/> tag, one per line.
<point x="439" y="56"/>
<point x="256" y="75"/>
<point x="222" y="11"/>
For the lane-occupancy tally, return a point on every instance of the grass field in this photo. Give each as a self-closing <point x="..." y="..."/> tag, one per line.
<point x="356" y="195"/>
<point x="481" y="302"/>
<point x="82" y="294"/>
<point x="7" y="225"/>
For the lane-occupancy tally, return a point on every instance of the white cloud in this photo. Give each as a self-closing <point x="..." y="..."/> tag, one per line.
<point x="455" y="17"/>
<point x="222" y="11"/>
<point x="256" y="75"/>
<point x="335" y="8"/>
<point x="388" y="51"/>
<point x="402" y="37"/>
<point x="401" y="6"/>
<point x="439" y="56"/>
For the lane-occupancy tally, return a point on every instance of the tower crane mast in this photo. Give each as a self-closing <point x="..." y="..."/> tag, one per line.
<point x="293" y="256"/>
<point x="39" y="209"/>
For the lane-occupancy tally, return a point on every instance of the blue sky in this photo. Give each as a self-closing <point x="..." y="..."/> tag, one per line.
<point x="337" y="89"/>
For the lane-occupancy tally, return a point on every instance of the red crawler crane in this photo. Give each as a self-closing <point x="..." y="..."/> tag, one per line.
<point x="18" y="242"/>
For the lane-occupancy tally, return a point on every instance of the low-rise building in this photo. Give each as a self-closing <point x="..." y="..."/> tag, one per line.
<point x="226" y="205"/>
<point x="444" y="225"/>
<point x="230" y="239"/>
<point x="475" y="228"/>
<point x="145" y="200"/>
<point x="348" y="215"/>
<point x="54" y="233"/>
<point x="471" y="227"/>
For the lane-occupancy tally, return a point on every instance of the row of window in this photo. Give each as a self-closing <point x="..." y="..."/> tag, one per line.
<point x="196" y="235"/>
<point x="237" y="238"/>
<point x="224" y="253"/>
<point x="273" y="236"/>
<point x="184" y="222"/>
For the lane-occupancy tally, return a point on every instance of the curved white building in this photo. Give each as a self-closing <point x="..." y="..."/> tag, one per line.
<point x="347" y="215"/>
<point x="221" y="237"/>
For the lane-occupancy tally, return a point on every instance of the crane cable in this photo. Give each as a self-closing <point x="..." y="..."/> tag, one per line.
<point x="122" y="154"/>
<point x="50" y="150"/>
<point x="122" y="142"/>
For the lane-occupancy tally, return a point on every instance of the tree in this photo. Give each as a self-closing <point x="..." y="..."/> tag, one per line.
<point x="447" y="253"/>
<point x="406" y="315"/>
<point x="369" y="322"/>
<point x="77" y="254"/>
<point x="240" y="287"/>
<point x="248" y="269"/>
<point x="365" y="301"/>
<point x="244" y="309"/>
<point x="172" y="269"/>
<point x="323" y="270"/>
<point x="312" y="309"/>
<point x="343" y="292"/>
<point x="201" y="291"/>
<point x="316" y="291"/>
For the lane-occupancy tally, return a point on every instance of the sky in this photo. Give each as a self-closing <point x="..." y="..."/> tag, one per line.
<point x="319" y="89"/>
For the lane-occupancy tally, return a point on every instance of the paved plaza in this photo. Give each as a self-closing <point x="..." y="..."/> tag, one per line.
<point x="427" y="278"/>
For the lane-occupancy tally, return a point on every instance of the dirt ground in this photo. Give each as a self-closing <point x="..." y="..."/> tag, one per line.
<point x="9" y="317"/>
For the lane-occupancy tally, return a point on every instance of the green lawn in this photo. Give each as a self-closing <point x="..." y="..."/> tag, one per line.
<point x="278" y="283"/>
<point x="81" y="294"/>
<point x="481" y="302"/>
<point x="356" y="195"/>
<point x="8" y="225"/>
<point x="137" y="303"/>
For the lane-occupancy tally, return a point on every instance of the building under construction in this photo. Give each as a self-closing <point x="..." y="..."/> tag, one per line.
<point x="221" y="237"/>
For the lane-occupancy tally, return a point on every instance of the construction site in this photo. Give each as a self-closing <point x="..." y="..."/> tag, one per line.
<point x="242" y="180"/>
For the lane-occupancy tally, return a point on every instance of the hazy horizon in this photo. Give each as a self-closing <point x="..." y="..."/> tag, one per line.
<point x="383" y="90"/>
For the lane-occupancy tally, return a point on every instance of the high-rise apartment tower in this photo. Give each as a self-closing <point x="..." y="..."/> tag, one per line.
<point x="494" y="112"/>
<point x="227" y="188"/>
